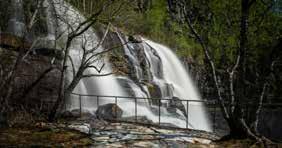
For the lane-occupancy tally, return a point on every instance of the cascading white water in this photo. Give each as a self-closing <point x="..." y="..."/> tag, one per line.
<point x="47" y="41"/>
<point x="16" y="23"/>
<point x="170" y="76"/>
<point x="166" y="70"/>
<point x="132" y="57"/>
<point x="106" y="85"/>
<point x="174" y="73"/>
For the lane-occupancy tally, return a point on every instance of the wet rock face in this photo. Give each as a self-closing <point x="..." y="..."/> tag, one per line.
<point x="44" y="93"/>
<point x="109" y="111"/>
<point x="135" y="39"/>
<point x="174" y="104"/>
<point x="155" y="92"/>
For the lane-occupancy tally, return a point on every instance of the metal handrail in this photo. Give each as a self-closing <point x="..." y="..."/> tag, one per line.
<point x="188" y="102"/>
<point x="141" y="98"/>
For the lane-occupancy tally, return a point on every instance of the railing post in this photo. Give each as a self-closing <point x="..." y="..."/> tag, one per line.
<point x="136" y="110"/>
<point x="116" y="107"/>
<point x="214" y="115"/>
<point x="159" y="111"/>
<point x="187" y="118"/>
<point x="80" y="110"/>
<point x="97" y="102"/>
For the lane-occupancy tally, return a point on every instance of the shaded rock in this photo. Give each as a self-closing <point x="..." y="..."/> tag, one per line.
<point x="51" y="52"/>
<point x="109" y="111"/>
<point x="76" y="114"/>
<point x="155" y="92"/>
<point x="174" y="104"/>
<point x="84" y="113"/>
<point x="66" y="114"/>
<point x="139" y="119"/>
<point x="125" y="83"/>
<point x="135" y="39"/>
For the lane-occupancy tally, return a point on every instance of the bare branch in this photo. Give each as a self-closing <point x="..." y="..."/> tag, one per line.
<point x="33" y="21"/>
<point x="99" y="70"/>
<point x="265" y="86"/>
<point x="104" y="51"/>
<point x="211" y="63"/>
<point x="103" y="38"/>
<point x="231" y="83"/>
<point x="72" y="65"/>
<point x="260" y="106"/>
<point x="97" y="75"/>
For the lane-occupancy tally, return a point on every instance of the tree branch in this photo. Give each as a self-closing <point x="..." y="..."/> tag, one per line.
<point x="72" y="64"/>
<point x="231" y="79"/>
<point x="211" y="63"/>
<point x="96" y="75"/>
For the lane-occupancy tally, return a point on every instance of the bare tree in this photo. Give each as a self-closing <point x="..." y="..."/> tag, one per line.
<point x="89" y="57"/>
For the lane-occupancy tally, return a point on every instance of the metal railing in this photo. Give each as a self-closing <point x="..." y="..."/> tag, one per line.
<point x="210" y="104"/>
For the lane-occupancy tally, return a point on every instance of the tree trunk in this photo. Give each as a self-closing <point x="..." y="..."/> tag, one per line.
<point x="60" y="98"/>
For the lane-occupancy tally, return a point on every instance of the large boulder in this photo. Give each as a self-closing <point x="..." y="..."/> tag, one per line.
<point x="109" y="111"/>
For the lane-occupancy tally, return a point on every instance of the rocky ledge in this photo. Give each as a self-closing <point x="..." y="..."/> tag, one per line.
<point x="121" y="134"/>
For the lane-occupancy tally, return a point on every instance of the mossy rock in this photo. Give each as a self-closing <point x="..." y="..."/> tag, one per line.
<point x="155" y="93"/>
<point x="119" y="64"/>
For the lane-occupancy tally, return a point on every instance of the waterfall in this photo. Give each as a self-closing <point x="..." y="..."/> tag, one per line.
<point x="165" y="72"/>
<point x="174" y="73"/>
<point x="106" y="85"/>
<point x="48" y="40"/>
<point x="16" y="23"/>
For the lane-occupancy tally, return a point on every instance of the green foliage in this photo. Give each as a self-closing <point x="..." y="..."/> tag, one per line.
<point x="218" y="21"/>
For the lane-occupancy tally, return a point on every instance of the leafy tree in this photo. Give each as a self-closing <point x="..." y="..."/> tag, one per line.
<point x="234" y="36"/>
